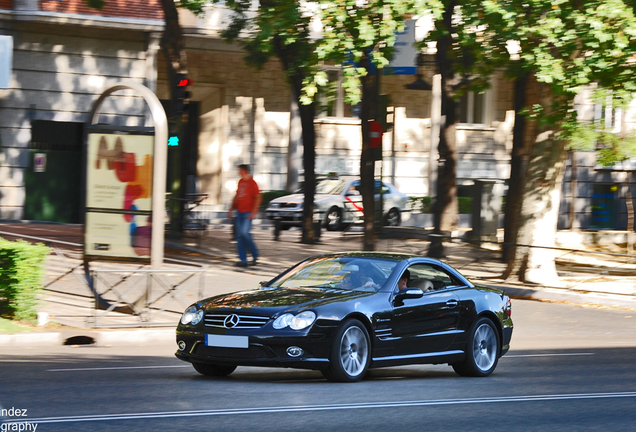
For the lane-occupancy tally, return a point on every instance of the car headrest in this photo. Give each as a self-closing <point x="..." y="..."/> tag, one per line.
<point x="423" y="284"/>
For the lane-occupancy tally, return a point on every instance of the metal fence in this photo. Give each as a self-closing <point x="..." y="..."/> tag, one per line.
<point x="143" y="297"/>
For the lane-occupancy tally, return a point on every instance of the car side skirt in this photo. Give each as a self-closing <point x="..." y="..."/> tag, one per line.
<point x="425" y="358"/>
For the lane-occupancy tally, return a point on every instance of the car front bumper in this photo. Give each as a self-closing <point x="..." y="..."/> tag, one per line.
<point x="292" y="217"/>
<point x="261" y="351"/>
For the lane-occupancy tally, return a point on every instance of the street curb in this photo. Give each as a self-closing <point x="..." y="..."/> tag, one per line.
<point x="560" y="295"/>
<point x="134" y="336"/>
<point x="34" y="339"/>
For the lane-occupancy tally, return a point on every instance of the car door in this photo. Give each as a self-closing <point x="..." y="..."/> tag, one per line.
<point x="430" y="323"/>
<point x="352" y="202"/>
<point x="382" y="194"/>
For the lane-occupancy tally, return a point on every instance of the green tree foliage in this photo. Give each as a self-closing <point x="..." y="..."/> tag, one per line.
<point x="563" y="46"/>
<point x="281" y="29"/>
<point x="566" y="44"/>
<point x="360" y="36"/>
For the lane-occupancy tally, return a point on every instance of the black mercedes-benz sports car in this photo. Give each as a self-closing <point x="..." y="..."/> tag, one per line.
<point x="344" y="313"/>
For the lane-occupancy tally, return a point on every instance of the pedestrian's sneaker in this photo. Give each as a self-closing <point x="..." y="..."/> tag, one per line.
<point x="254" y="261"/>
<point x="241" y="264"/>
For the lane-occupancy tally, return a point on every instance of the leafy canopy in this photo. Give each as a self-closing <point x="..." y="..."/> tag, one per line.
<point x="353" y="30"/>
<point x="567" y="44"/>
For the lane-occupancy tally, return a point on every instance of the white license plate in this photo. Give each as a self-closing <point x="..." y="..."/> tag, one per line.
<point x="224" y="341"/>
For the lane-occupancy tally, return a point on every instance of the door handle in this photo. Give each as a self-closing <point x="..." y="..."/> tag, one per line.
<point x="450" y="304"/>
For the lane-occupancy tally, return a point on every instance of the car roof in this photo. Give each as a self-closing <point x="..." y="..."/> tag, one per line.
<point x="378" y="255"/>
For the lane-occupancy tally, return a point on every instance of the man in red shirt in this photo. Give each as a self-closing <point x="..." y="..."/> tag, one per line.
<point x="246" y="202"/>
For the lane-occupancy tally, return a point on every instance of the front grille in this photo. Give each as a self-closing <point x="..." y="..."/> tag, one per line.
<point x="289" y="205"/>
<point x="245" y="321"/>
<point x="252" y="353"/>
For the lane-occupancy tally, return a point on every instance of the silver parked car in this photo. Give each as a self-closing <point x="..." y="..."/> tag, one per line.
<point x="337" y="203"/>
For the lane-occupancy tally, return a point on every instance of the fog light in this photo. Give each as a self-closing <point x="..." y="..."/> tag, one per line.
<point x="295" y="351"/>
<point x="181" y="345"/>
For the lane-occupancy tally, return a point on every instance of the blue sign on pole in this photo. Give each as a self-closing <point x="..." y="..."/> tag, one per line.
<point x="6" y="60"/>
<point x="357" y="110"/>
<point x="403" y="61"/>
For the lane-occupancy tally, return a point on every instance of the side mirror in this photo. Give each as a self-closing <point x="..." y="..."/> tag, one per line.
<point x="408" y="293"/>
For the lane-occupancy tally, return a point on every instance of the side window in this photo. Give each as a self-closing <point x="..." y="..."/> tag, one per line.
<point x="472" y="107"/>
<point x="430" y="278"/>
<point x="331" y="98"/>
<point x="383" y="189"/>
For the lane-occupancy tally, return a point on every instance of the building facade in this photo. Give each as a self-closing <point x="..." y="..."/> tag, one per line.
<point x="64" y="55"/>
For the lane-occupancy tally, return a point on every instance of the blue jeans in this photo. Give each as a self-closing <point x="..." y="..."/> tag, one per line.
<point x="243" y="237"/>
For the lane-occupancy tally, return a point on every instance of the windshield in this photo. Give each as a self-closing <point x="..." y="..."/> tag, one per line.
<point x="329" y="186"/>
<point x="344" y="272"/>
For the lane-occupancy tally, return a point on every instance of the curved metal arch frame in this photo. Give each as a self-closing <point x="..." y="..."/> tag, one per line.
<point x="160" y="159"/>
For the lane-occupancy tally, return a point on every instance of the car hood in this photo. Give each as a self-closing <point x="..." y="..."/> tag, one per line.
<point x="276" y="299"/>
<point x="300" y="198"/>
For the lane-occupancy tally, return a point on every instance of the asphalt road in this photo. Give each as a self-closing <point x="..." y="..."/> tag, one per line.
<point x="569" y="369"/>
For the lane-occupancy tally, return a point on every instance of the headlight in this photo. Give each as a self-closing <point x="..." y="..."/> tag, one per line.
<point x="198" y="316"/>
<point x="189" y="315"/>
<point x="283" y="321"/>
<point x="303" y="320"/>
<point x="298" y="322"/>
<point x="274" y="205"/>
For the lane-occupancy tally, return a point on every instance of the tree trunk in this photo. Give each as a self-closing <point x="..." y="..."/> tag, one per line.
<point x="533" y="260"/>
<point x="445" y="207"/>
<point x="518" y="165"/>
<point x="367" y="164"/>
<point x="307" y="115"/>
<point x="173" y="48"/>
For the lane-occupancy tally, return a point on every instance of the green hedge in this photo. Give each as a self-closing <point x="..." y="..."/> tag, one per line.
<point x="21" y="273"/>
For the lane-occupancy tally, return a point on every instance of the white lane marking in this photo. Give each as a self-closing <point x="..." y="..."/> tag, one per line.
<point x="115" y="368"/>
<point x="187" y="366"/>
<point x="548" y="355"/>
<point x="306" y="408"/>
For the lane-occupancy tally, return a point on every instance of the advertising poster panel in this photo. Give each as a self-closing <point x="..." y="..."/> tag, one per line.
<point x="118" y="196"/>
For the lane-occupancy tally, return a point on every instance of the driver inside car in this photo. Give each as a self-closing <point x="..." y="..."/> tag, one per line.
<point x="355" y="281"/>
<point x="404" y="280"/>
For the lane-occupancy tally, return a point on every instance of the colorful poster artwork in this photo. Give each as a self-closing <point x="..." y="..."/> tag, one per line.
<point x="119" y="195"/>
<point x="108" y="235"/>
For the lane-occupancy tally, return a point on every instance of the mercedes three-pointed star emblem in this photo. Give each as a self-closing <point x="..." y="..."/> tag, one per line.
<point x="231" y="321"/>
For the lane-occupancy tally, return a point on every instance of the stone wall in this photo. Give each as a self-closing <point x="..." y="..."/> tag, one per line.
<point x="57" y="75"/>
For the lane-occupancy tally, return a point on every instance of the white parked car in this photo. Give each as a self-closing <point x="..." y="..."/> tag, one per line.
<point x="338" y="203"/>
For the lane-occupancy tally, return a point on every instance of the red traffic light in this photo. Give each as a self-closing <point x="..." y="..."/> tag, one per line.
<point x="183" y="82"/>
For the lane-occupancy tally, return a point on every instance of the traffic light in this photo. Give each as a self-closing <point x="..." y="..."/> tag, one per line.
<point x="182" y="94"/>
<point x="384" y="114"/>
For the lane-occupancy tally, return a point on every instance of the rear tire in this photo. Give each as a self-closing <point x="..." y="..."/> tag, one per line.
<point x="482" y="350"/>
<point x="350" y="354"/>
<point x="333" y="221"/>
<point x="213" y="369"/>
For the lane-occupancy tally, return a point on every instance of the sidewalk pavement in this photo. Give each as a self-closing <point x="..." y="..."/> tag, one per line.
<point x="216" y="250"/>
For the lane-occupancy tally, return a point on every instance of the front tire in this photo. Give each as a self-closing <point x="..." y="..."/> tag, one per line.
<point x="392" y="218"/>
<point x="213" y="369"/>
<point x="482" y="350"/>
<point x="350" y="354"/>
